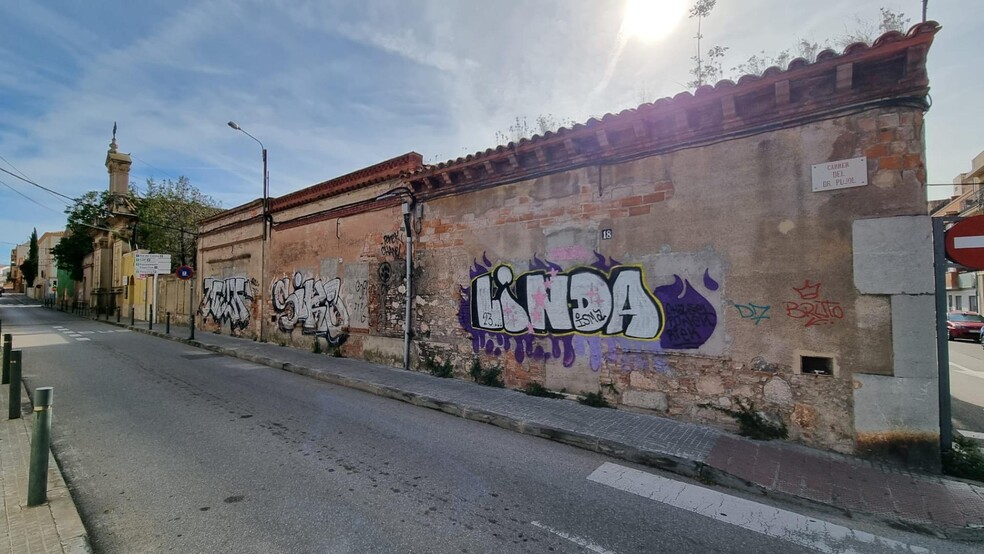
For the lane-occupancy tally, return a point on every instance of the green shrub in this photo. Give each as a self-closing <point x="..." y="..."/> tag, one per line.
<point x="438" y="369"/>
<point x="491" y="377"/>
<point x="964" y="459"/>
<point x="751" y="423"/>
<point x="594" y="399"/>
<point x="536" y="389"/>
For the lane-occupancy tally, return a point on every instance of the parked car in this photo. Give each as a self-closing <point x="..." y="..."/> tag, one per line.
<point x="964" y="325"/>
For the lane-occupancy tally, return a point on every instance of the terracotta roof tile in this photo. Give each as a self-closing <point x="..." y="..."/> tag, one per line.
<point x="826" y="59"/>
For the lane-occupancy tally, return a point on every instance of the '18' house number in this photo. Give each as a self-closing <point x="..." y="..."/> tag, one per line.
<point x="606" y="234"/>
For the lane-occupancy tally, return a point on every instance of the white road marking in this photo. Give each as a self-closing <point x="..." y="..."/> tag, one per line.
<point x="972" y="434"/>
<point x="87" y="332"/>
<point x="760" y="518"/>
<point x="969" y="242"/>
<point x="967" y="371"/>
<point x="573" y="538"/>
<point x="83" y="339"/>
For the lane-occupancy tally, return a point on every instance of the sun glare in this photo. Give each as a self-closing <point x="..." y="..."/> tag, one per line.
<point x="651" y="20"/>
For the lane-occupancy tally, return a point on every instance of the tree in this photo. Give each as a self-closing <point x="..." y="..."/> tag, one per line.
<point x="169" y="212"/>
<point x="89" y="211"/>
<point x="29" y="269"/>
<point x="710" y="70"/>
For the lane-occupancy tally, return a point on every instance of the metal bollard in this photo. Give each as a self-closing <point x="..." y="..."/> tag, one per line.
<point x="151" y="318"/>
<point x="14" y="398"/>
<point x="191" y="322"/>
<point x="119" y="313"/>
<point x="132" y="316"/>
<point x="167" y="324"/>
<point x="7" y="344"/>
<point x="37" y="481"/>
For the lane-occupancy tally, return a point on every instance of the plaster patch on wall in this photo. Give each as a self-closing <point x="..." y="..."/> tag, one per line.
<point x="786" y="226"/>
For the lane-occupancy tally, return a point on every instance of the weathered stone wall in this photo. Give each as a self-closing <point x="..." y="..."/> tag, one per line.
<point x="753" y="271"/>
<point x="674" y="257"/>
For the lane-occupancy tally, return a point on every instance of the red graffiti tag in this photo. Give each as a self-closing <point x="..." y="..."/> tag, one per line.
<point x="822" y="312"/>
<point x="817" y="311"/>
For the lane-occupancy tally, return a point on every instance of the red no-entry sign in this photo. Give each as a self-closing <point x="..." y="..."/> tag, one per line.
<point x="965" y="242"/>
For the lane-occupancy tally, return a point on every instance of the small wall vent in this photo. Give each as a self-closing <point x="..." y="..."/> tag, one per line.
<point x="816" y="365"/>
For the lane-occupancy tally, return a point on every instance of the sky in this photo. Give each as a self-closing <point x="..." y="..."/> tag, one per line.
<point x="332" y="86"/>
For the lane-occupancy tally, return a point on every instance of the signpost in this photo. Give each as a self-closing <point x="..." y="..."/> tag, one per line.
<point x="152" y="264"/>
<point x="965" y="242"/>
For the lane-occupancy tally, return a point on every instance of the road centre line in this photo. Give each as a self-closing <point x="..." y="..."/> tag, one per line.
<point x="760" y="518"/>
<point x="584" y="543"/>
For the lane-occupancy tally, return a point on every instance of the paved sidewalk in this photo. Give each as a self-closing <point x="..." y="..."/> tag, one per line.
<point x="919" y="502"/>
<point x="52" y="527"/>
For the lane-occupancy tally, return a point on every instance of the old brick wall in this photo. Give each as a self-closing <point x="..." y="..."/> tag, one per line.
<point x="227" y="290"/>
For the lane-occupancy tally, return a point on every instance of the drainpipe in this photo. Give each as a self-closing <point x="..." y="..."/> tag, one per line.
<point x="406" y="323"/>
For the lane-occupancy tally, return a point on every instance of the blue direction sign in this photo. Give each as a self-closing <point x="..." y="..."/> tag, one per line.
<point x="184" y="272"/>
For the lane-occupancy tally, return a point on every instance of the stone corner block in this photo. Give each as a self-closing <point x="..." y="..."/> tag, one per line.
<point x="893" y="255"/>
<point x="884" y="404"/>
<point x="914" y="336"/>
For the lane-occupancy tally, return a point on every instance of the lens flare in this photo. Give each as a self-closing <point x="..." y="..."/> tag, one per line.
<point x="651" y="20"/>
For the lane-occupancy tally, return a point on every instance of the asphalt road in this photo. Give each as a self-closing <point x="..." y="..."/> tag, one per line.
<point x="967" y="385"/>
<point x="171" y="448"/>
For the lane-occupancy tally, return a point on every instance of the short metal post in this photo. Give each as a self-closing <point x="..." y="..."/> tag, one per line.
<point x="167" y="324"/>
<point x="119" y="313"/>
<point x="7" y="340"/>
<point x="132" y="316"/>
<point x="14" y="398"/>
<point x="191" y="310"/>
<point x="151" y="317"/>
<point x="37" y="481"/>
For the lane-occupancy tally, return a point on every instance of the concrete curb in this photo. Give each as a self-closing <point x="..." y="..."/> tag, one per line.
<point x="662" y="460"/>
<point x="71" y="532"/>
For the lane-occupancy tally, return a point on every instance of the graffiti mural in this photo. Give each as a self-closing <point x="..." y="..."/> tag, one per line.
<point x="753" y="311"/>
<point x="605" y="311"/>
<point x="812" y="308"/>
<point x="314" y="304"/>
<point x="690" y="317"/>
<point x="228" y="300"/>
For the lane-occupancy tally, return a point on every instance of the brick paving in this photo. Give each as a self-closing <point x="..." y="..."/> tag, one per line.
<point x="53" y="527"/>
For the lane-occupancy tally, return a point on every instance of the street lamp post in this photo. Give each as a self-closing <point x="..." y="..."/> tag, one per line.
<point x="266" y="219"/>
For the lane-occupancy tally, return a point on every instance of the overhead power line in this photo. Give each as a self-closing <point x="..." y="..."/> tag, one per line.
<point x="30" y="182"/>
<point x="29" y="198"/>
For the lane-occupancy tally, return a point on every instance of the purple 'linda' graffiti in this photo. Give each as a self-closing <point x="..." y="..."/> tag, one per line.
<point x="616" y="335"/>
